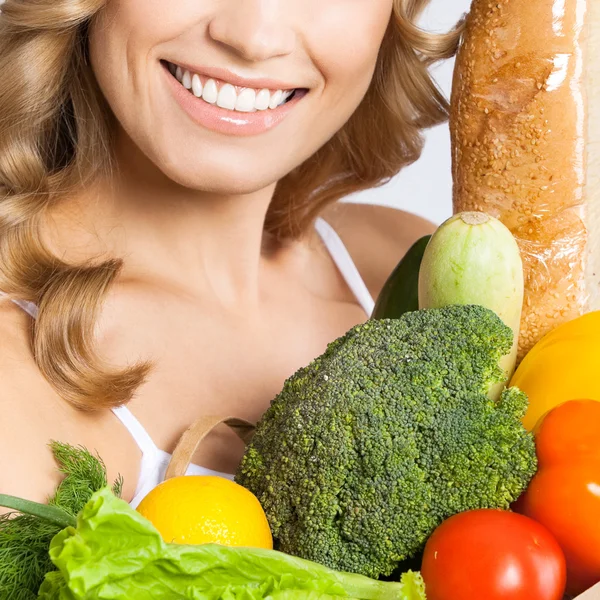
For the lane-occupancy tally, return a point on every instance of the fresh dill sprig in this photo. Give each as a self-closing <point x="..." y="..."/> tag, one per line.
<point x="24" y="560"/>
<point x="85" y="473"/>
<point x="25" y="539"/>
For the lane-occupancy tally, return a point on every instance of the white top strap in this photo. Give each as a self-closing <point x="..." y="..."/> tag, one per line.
<point x="29" y="307"/>
<point x="341" y="257"/>
<point x="136" y="429"/>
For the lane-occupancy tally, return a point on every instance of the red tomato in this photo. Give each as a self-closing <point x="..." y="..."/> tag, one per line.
<point x="569" y="434"/>
<point x="493" y="555"/>
<point x="566" y="500"/>
<point x="564" y="495"/>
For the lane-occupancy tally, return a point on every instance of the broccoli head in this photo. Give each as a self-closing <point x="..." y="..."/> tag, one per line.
<point x="369" y="448"/>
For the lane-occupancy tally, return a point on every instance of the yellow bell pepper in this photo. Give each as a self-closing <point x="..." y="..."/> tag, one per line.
<point x="563" y="365"/>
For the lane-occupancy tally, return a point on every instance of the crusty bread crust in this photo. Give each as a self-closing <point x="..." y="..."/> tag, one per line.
<point x="518" y="128"/>
<point x="592" y="188"/>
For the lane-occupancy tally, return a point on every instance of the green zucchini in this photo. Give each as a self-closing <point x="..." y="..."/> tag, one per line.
<point x="473" y="258"/>
<point x="400" y="292"/>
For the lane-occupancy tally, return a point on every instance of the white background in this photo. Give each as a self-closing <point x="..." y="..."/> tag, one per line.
<point x="425" y="188"/>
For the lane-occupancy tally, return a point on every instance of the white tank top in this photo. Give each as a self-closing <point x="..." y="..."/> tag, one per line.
<point x="154" y="460"/>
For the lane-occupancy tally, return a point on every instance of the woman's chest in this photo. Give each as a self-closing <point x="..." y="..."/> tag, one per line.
<point x="226" y="365"/>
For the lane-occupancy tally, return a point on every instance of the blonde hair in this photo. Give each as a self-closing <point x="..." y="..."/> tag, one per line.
<point x="55" y="135"/>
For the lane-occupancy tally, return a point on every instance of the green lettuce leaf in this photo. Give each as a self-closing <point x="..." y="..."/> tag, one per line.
<point x="115" y="554"/>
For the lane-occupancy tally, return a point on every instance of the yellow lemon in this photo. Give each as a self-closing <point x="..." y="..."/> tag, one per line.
<point x="204" y="509"/>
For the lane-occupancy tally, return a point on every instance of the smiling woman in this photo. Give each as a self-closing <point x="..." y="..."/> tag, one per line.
<point x="162" y="166"/>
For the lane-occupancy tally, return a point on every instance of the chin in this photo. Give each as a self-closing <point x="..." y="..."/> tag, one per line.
<point x="226" y="177"/>
<point x="222" y="166"/>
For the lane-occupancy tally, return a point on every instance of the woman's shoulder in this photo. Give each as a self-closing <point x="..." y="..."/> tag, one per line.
<point x="377" y="237"/>
<point x="32" y="414"/>
<point x="26" y="465"/>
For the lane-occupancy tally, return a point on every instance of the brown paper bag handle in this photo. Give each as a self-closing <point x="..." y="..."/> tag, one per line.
<point x="191" y="439"/>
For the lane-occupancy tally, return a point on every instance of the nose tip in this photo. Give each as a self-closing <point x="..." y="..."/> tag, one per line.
<point x="254" y="30"/>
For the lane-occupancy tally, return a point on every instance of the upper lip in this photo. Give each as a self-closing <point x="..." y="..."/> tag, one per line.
<point x="230" y="77"/>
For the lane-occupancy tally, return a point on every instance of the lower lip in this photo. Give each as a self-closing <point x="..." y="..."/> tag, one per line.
<point x="228" y="122"/>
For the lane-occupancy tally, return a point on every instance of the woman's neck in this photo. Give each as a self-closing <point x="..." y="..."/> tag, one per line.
<point x="200" y="242"/>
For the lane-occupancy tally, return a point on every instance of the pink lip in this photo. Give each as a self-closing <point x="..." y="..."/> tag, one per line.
<point x="222" y="120"/>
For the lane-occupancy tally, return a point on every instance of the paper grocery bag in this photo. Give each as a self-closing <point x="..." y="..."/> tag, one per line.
<point x="591" y="594"/>
<point x="191" y="439"/>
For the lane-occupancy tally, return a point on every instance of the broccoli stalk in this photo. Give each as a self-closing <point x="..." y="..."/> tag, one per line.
<point x="369" y="448"/>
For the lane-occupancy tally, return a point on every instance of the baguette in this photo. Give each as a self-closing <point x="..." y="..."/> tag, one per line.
<point x="525" y="134"/>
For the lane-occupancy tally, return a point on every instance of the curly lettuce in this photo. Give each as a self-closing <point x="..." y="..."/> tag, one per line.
<point x="115" y="554"/>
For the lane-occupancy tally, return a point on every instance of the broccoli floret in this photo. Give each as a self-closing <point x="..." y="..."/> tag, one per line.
<point x="369" y="448"/>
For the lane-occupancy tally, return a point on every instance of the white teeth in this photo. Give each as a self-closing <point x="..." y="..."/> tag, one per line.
<point x="262" y="100"/>
<point x="246" y="100"/>
<point x="196" y="86"/>
<point x="210" y="93"/>
<point x="227" y="97"/>
<point x="276" y="99"/>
